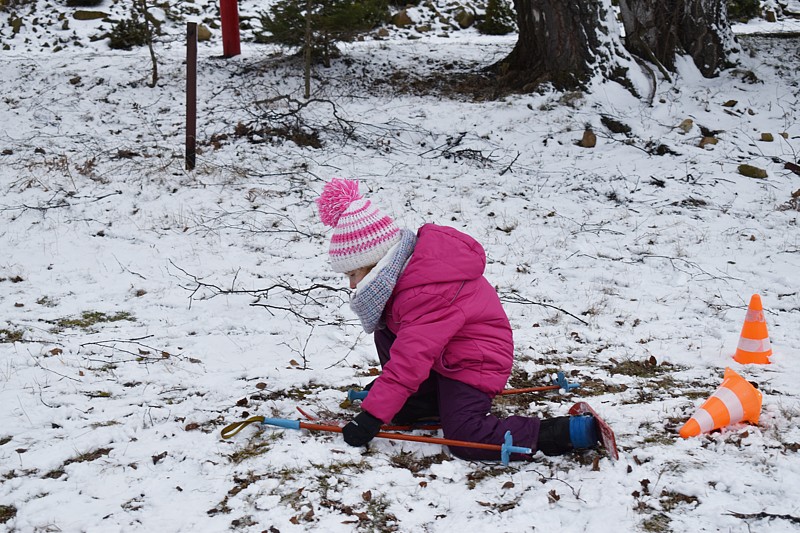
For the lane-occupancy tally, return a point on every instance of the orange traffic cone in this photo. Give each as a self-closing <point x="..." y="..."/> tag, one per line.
<point x="754" y="346"/>
<point x="736" y="400"/>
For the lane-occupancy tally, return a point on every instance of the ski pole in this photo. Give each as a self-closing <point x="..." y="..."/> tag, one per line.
<point x="429" y="425"/>
<point x="561" y="383"/>
<point x="506" y="449"/>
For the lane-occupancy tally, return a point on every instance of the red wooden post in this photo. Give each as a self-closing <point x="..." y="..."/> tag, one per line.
<point x="191" y="93"/>
<point x="229" y="13"/>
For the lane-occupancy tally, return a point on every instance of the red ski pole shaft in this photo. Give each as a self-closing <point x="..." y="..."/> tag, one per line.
<point x="505" y="392"/>
<point x="561" y="383"/>
<point x="412" y="438"/>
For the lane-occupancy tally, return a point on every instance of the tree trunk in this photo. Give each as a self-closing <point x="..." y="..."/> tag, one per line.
<point x="659" y="30"/>
<point x="650" y="30"/>
<point x="563" y="42"/>
<point x="149" y="33"/>
<point x="706" y="35"/>
<point x="307" y="52"/>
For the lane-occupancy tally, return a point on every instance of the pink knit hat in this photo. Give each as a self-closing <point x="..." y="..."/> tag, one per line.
<point x="362" y="235"/>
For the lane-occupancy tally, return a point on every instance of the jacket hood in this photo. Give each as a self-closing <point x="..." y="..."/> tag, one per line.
<point x="443" y="254"/>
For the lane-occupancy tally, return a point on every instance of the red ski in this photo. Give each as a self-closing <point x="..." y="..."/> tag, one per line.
<point x="606" y="433"/>
<point x="315" y="418"/>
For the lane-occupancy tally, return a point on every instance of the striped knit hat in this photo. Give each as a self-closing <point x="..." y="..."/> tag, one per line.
<point x="362" y="235"/>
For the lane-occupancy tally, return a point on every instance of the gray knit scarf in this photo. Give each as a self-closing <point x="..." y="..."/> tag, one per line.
<point x="368" y="301"/>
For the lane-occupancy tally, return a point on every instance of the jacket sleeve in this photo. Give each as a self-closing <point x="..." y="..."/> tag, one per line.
<point x="427" y="325"/>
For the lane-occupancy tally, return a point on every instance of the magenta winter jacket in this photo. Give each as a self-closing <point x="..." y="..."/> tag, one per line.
<point x="447" y="317"/>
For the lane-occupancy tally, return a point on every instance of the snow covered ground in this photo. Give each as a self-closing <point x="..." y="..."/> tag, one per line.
<point x="145" y="307"/>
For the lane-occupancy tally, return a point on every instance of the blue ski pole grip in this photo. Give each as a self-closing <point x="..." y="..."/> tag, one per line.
<point x="508" y="448"/>
<point x="564" y="384"/>
<point x="356" y="394"/>
<point x="282" y="423"/>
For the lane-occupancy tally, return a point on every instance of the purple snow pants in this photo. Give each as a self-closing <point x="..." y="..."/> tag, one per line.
<point x="463" y="411"/>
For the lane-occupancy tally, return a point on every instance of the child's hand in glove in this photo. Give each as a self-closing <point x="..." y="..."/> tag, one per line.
<point x="362" y="429"/>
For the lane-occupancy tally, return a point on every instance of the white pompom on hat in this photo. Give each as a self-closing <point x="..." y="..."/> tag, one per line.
<point x="362" y="234"/>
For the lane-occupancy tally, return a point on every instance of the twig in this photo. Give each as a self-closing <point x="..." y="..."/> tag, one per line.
<point x="353" y="347"/>
<point x="542" y="477"/>
<point x="517" y="299"/>
<point x="306" y="319"/>
<point x="295" y="115"/>
<point x="302" y="351"/>
<point x="763" y="514"/>
<point x="56" y="204"/>
<point x="295" y="298"/>
<point x="40" y="365"/>
<point x="303" y="291"/>
<point x="140" y="355"/>
<point x="216" y="222"/>
<point x="673" y="260"/>
<point x="123" y="267"/>
<point x="451" y="142"/>
<point x="508" y="168"/>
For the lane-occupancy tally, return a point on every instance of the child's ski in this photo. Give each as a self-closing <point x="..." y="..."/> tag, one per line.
<point x="606" y="433"/>
<point x="315" y="418"/>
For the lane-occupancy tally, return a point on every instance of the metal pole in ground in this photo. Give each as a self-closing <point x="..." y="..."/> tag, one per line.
<point x="191" y="94"/>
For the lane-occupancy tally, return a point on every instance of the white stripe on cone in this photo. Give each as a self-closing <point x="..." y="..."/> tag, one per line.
<point x="732" y="402"/>
<point x="754" y="315"/>
<point x="754" y="345"/>
<point x="704" y="420"/>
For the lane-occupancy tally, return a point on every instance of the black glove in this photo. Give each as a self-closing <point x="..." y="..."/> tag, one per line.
<point x="362" y="429"/>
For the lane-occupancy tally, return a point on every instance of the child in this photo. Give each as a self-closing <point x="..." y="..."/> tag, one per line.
<point x="443" y="338"/>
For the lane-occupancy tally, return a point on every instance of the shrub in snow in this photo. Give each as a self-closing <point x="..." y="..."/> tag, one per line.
<point x="329" y="21"/>
<point x="500" y="18"/>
